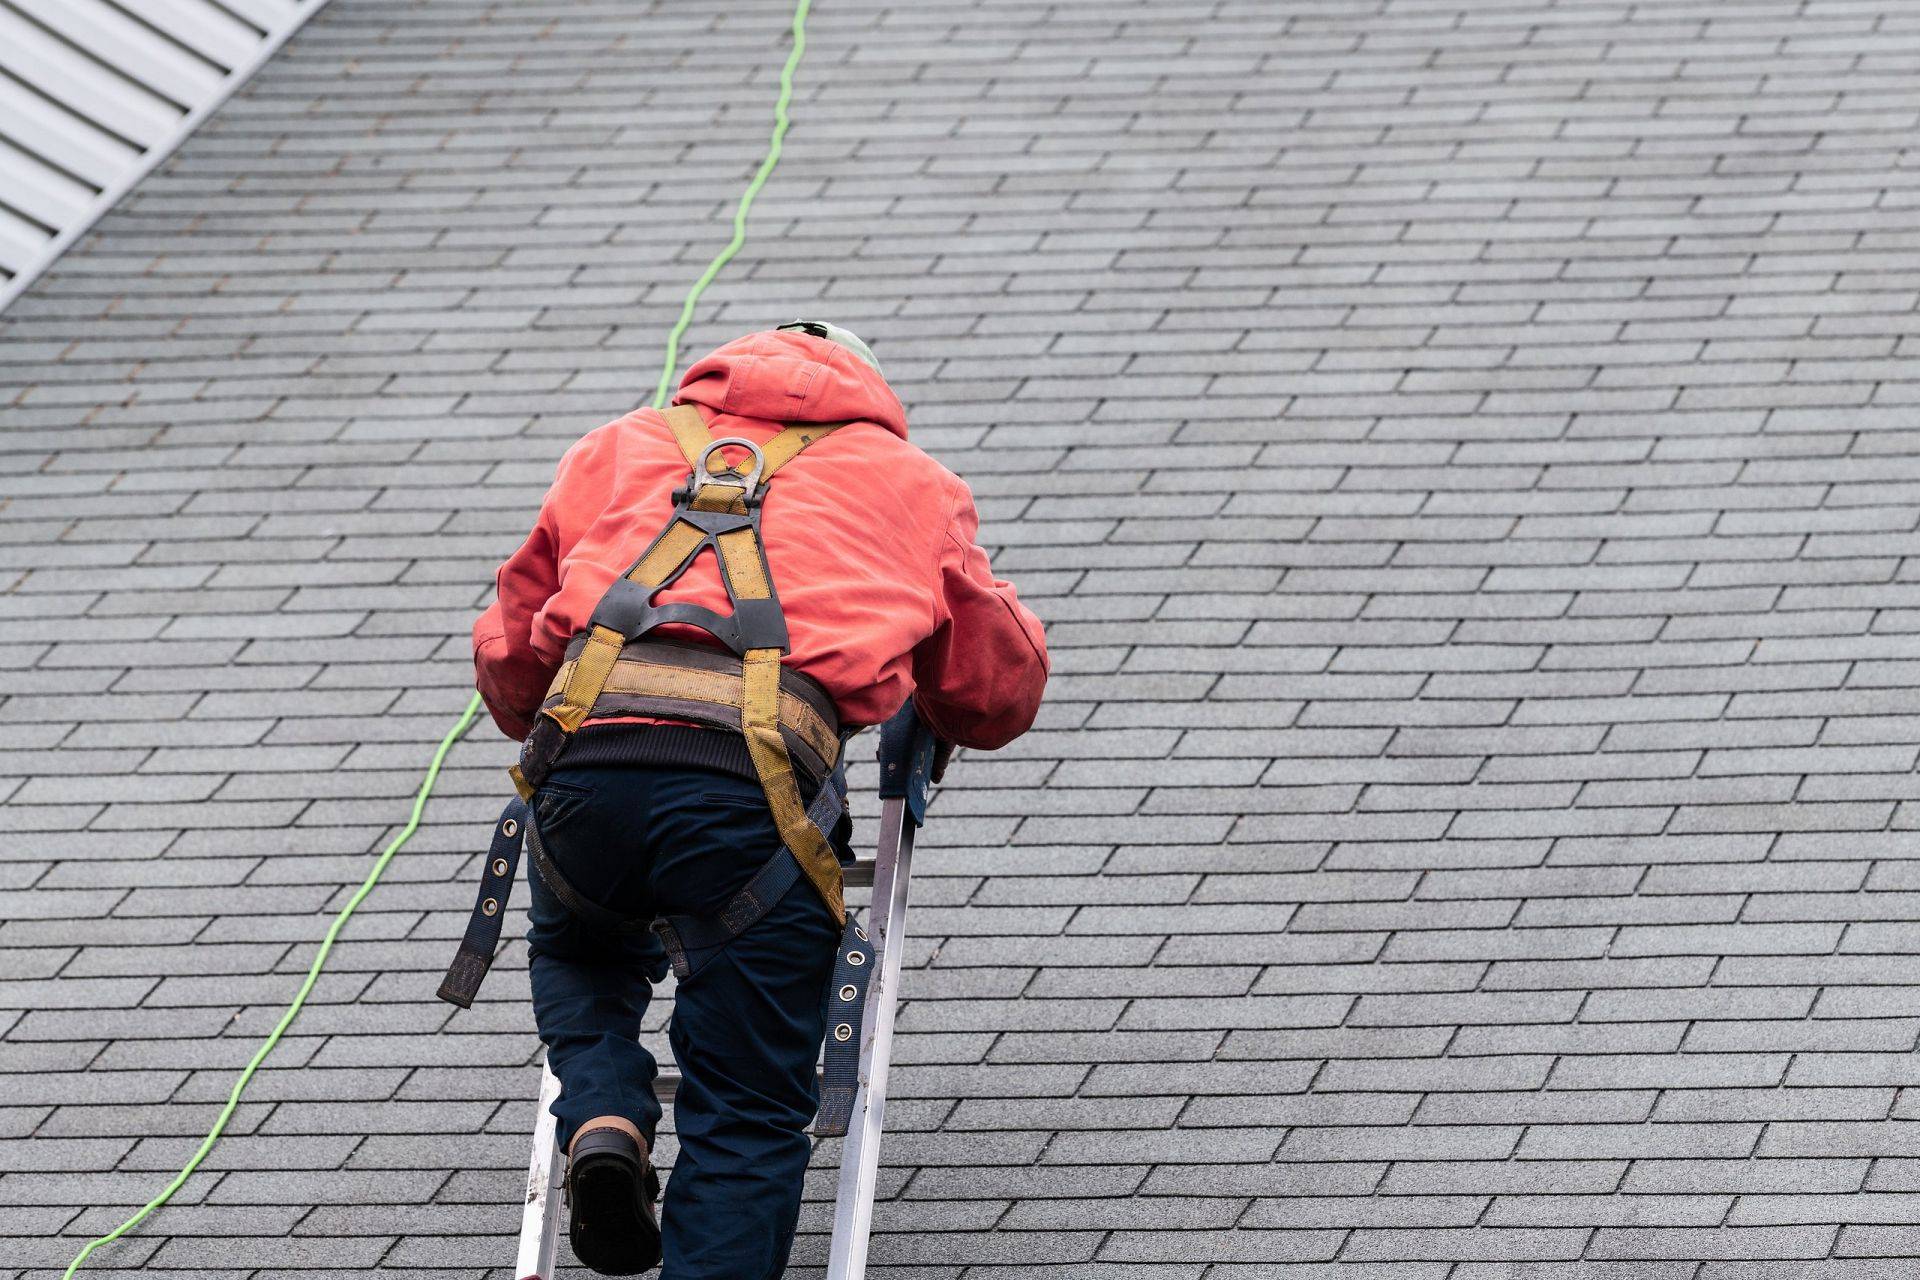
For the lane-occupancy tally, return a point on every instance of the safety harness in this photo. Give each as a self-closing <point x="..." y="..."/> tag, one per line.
<point x="788" y="722"/>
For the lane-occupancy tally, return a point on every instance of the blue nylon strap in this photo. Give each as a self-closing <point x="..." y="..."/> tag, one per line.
<point x="846" y="1003"/>
<point x="582" y="907"/>
<point x="692" y="940"/>
<point x="475" y="956"/>
<point x="828" y="812"/>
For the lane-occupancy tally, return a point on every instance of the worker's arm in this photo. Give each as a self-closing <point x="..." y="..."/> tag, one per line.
<point x="512" y="668"/>
<point x="514" y="658"/>
<point x="511" y="675"/>
<point x="978" y="678"/>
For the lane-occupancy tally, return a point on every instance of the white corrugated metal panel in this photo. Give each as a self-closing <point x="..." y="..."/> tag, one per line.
<point x="94" y="93"/>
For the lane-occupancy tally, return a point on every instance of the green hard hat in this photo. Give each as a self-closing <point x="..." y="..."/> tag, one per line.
<point x="834" y="333"/>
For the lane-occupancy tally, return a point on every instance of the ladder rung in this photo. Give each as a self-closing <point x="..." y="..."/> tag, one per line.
<point x="668" y="1081"/>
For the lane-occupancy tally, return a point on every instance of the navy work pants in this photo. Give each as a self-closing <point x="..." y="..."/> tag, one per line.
<point x="646" y="840"/>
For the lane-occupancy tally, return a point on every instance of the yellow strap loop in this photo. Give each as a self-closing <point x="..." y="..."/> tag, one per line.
<point x="746" y="572"/>
<point x="759" y="721"/>
<point x="589" y="677"/>
<point x="791" y="442"/>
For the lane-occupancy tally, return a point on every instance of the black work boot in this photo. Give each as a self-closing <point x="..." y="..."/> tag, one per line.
<point x="611" y="1188"/>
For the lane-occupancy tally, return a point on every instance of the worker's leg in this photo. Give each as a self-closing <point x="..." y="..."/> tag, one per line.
<point x="590" y="989"/>
<point x="746" y="1031"/>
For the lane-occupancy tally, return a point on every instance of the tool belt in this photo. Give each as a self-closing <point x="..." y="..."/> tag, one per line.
<point x="786" y="722"/>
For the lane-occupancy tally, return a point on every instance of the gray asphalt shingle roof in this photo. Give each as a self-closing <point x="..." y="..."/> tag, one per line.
<point x="1465" y="452"/>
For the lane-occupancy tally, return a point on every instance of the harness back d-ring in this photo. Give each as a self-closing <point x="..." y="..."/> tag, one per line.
<point x="749" y="485"/>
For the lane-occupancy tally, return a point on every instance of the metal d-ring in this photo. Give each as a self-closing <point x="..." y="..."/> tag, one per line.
<point x="730" y="477"/>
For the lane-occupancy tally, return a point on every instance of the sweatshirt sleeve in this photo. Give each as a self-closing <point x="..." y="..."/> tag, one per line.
<point x="510" y="671"/>
<point x="512" y="677"/>
<point x="978" y="678"/>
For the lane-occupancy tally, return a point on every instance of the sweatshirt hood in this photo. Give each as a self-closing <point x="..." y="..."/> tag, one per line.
<point x="788" y="376"/>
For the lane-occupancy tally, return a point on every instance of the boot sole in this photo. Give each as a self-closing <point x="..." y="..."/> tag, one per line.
<point x="613" y="1228"/>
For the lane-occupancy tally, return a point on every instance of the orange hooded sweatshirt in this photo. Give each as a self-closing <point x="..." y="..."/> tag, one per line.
<point x="871" y="544"/>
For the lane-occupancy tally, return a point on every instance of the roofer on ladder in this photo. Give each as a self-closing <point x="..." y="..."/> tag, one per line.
<point x="682" y="760"/>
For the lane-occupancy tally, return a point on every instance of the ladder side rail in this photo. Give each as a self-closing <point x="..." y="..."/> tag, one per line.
<point x="907" y="755"/>
<point x="540" y="1220"/>
<point x="860" y="1154"/>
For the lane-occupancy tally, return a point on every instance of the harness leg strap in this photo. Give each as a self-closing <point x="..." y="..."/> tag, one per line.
<point x="760" y="724"/>
<point x="475" y="956"/>
<point x="571" y="898"/>
<point x="846" y="1002"/>
<point x="691" y="940"/>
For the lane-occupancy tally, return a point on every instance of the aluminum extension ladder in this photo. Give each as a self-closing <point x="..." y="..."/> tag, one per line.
<point x="906" y="755"/>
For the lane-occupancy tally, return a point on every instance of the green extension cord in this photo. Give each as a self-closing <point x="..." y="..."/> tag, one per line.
<point x="300" y="998"/>
<point x="782" y="122"/>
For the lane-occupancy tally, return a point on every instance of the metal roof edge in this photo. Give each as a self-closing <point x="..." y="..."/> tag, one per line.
<point x="152" y="157"/>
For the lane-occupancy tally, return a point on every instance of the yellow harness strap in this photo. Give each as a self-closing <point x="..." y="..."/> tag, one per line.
<point x="690" y="433"/>
<point x="743" y="561"/>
